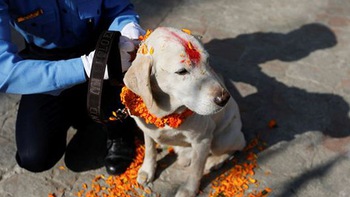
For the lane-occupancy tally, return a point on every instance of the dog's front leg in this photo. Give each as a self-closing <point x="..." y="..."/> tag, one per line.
<point x="148" y="168"/>
<point x="200" y="151"/>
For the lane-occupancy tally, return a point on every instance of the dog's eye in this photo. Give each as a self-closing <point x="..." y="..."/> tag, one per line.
<point x="182" y="71"/>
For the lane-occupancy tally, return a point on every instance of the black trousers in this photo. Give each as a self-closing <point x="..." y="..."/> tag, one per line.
<point x="42" y="124"/>
<point x="43" y="121"/>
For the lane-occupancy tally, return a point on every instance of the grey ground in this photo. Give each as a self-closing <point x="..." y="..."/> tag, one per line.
<point x="286" y="59"/>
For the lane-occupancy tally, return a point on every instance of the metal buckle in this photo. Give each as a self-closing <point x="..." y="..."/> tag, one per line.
<point x="119" y="114"/>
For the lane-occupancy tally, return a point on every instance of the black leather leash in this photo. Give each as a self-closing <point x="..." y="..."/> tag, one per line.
<point x="106" y="54"/>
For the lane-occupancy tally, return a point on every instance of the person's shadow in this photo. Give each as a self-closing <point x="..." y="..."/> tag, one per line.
<point x="296" y="110"/>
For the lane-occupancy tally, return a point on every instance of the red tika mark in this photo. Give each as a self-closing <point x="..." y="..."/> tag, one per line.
<point x="192" y="52"/>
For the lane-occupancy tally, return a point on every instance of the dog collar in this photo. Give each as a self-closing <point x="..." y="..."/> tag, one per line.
<point x="137" y="107"/>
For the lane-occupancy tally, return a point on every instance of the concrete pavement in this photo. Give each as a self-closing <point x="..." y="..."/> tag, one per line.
<point x="287" y="60"/>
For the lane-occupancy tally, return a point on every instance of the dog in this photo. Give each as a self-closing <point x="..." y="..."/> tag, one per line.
<point x="171" y="74"/>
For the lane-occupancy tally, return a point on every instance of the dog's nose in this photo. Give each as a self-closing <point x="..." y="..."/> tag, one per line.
<point x="222" y="99"/>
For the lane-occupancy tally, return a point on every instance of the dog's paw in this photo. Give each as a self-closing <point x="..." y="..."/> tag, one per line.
<point x="144" y="177"/>
<point x="183" y="191"/>
<point x="184" y="156"/>
<point x="215" y="162"/>
<point x="184" y="161"/>
<point x="210" y="168"/>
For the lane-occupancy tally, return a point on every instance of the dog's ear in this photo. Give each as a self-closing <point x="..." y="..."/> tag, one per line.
<point x="137" y="79"/>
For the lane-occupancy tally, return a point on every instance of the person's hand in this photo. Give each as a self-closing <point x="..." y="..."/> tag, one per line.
<point x="126" y="47"/>
<point x="87" y="62"/>
<point x="132" y="30"/>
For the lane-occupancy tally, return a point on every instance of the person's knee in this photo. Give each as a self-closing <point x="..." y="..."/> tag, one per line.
<point x="33" y="162"/>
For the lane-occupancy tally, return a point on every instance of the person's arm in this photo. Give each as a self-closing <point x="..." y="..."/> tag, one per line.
<point x="20" y="76"/>
<point x="120" y="12"/>
<point x="124" y="18"/>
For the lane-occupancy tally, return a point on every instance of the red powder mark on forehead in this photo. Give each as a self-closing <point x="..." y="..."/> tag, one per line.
<point x="190" y="50"/>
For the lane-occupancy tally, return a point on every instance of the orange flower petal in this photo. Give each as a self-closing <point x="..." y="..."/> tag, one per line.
<point x="187" y="31"/>
<point x="151" y="50"/>
<point x="272" y="124"/>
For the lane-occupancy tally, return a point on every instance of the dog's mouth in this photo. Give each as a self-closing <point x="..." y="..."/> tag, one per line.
<point x="207" y="105"/>
<point x="207" y="109"/>
<point x="181" y="109"/>
<point x="218" y="109"/>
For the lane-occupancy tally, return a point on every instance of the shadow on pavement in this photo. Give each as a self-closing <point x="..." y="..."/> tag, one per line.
<point x="296" y="110"/>
<point x="308" y="176"/>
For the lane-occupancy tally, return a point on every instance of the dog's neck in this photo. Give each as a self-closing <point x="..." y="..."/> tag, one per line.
<point x="136" y="107"/>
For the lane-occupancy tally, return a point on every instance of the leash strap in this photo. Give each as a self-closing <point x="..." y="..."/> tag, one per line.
<point x="108" y="43"/>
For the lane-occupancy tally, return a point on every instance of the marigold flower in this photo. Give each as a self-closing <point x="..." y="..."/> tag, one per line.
<point x="51" y="195"/>
<point x="62" y="168"/>
<point x="143" y="49"/>
<point x="151" y="50"/>
<point x="137" y="108"/>
<point x="238" y="180"/>
<point x="272" y="124"/>
<point x="189" y="44"/>
<point x="187" y="31"/>
<point x="147" y="34"/>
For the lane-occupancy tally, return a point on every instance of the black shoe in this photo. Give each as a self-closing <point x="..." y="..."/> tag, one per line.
<point x="120" y="154"/>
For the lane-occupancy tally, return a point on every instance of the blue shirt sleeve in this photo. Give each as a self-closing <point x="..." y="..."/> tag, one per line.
<point x="20" y="76"/>
<point x="122" y="13"/>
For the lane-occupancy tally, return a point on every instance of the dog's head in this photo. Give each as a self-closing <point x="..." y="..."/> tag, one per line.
<point x="171" y="71"/>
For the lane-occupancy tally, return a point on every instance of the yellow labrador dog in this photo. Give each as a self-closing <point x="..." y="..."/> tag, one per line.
<point x="171" y="74"/>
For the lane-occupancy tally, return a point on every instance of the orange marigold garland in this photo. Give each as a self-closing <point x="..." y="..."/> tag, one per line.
<point x="138" y="108"/>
